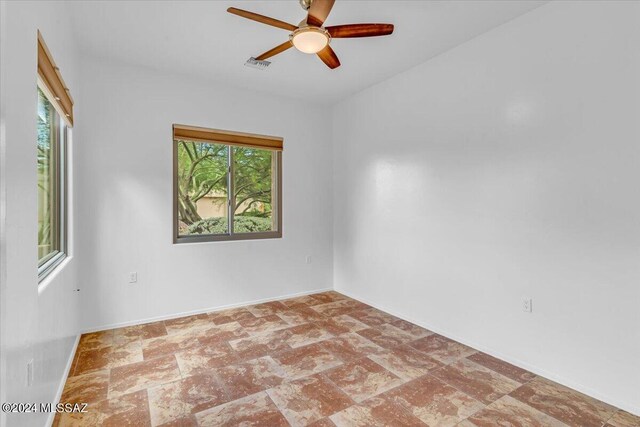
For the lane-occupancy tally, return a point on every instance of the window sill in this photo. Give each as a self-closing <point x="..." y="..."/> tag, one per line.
<point x="53" y="272"/>
<point x="227" y="237"/>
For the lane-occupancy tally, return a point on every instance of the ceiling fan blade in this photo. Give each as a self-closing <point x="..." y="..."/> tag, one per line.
<point x="263" y="19"/>
<point x="329" y="57"/>
<point x="276" y="50"/>
<point x="319" y="11"/>
<point x="360" y="30"/>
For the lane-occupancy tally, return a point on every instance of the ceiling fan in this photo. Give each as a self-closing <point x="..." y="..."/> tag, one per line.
<point x="309" y="36"/>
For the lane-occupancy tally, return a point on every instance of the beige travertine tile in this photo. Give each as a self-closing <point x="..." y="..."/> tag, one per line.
<point x="624" y="419"/>
<point x="509" y="411"/>
<point x="308" y="360"/>
<point x="267" y="308"/>
<point x="378" y="412"/>
<point x="142" y="375"/>
<point x="138" y="332"/>
<point x="434" y="402"/>
<point x="250" y="377"/>
<point x="94" y="340"/>
<point x="303" y="301"/>
<point x="108" y="357"/>
<point x="203" y="359"/>
<point x="329" y="296"/>
<point x="261" y="345"/>
<point x="87" y="388"/>
<point x="351" y="346"/>
<point x="179" y="399"/>
<point x="363" y="379"/>
<point x="230" y="315"/>
<point x="306" y="334"/>
<point x="338" y="307"/>
<point x="260" y="325"/>
<point x="442" y="349"/>
<point x="218" y="334"/>
<point x="343" y="324"/>
<point x="301" y="314"/>
<point x="308" y="399"/>
<point x="414" y="330"/>
<point x="127" y="410"/>
<point x="372" y="317"/>
<point x="324" y="359"/>
<point x="502" y="367"/>
<point x="406" y="362"/>
<point x="182" y="324"/>
<point x="387" y="336"/>
<point x="169" y="344"/>
<point x="564" y="404"/>
<point x="475" y="380"/>
<point x="256" y="410"/>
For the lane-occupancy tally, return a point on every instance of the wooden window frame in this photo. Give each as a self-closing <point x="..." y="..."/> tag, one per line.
<point x="53" y="84"/>
<point x="230" y="139"/>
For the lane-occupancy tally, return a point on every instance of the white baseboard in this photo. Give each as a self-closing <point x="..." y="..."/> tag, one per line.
<point x="63" y="381"/>
<point x="202" y="310"/>
<point x="627" y="406"/>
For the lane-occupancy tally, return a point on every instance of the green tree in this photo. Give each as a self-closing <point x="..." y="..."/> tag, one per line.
<point x="202" y="169"/>
<point x="45" y="122"/>
<point x="253" y="181"/>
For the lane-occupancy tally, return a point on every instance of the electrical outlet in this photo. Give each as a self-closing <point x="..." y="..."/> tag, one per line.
<point x="308" y="259"/>
<point x="133" y="277"/>
<point x="527" y="305"/>
<point x="29" y="372"/>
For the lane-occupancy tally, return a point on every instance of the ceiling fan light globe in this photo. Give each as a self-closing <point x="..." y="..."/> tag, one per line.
<point x="310" y="40"/>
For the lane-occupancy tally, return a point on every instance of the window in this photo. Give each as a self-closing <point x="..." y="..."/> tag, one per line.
<point x="54" y="117"/>
<point x="227" y="185"/>
<point x="51" y="185"/>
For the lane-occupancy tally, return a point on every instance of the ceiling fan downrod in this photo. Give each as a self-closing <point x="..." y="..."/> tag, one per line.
<point x="306" y="4"/>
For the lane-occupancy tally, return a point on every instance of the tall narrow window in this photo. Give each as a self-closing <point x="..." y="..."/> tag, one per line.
<point x="54" y="117"/>
<point x="50" y="181"/>
<point x="227" y="185"/>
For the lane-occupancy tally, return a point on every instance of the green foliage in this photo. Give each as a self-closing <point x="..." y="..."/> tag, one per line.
<point x="202" y="170"/>
<point x="46" y="115"/>
<point x="242" y="224"/>
<point x="208" y="226"/>
<point x="250" y="224"/>
<point x="252" y="180"/>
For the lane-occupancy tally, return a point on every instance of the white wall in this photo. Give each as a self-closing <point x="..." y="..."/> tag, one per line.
<point x="37" y="322"/>
<point x="506" y="168"/>
<point x="125" y="195"/>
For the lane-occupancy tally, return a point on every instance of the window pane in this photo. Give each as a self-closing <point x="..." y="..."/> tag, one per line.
<point x="48" y="180"/>
<point x="253" y="188"/>
<point x="202" y="188"/>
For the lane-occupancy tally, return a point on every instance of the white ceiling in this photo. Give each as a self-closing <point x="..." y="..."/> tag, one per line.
<point x="200" y="39"/>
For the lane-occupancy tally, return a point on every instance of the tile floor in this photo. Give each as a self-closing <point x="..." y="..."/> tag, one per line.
<point x="320" y="360"/>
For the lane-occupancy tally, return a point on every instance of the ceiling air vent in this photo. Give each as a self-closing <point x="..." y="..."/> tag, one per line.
<point x="257" y="64"/>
